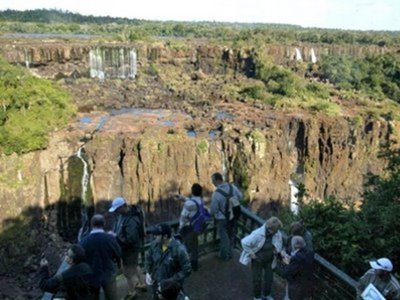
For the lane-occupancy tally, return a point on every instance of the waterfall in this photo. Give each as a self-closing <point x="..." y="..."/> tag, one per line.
<point x="84" y="185"/>
<point x="106" y="62"/>
<point x="224" y="169"/>
<point x="121" y="64"/>
<point x="313" y="56"/>
<point x="26" y="58"/>
<point x="298" y="54"/>
<point x="294" y="191"/>
<point x="132" y="64"/>
<point x="96" y="64"/>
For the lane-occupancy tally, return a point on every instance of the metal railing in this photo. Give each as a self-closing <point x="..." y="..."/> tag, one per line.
<point x="330" y="282"/>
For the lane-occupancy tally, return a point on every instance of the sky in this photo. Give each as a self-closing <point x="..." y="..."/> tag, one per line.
<point x="341" y="14"/>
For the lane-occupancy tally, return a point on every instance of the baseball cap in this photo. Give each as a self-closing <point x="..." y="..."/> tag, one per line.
<point x="117" y="203"/>
<point x="382" y="264"/>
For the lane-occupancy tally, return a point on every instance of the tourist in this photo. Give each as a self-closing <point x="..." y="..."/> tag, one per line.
<point x="381" y="278"/>
<point x="128" y="230"/>
<point x="225" y="221"/>
<point x="76" y="282"/>
<point x="299" y="269"/>
<point x="261" y="248"/>
<point x="103" y="254"/>
<point x="167" y="258"/>
<point x="297" y="228"/>
<point x="190" y="237"/>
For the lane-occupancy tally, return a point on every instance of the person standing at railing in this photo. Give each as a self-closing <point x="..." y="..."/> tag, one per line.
<point x="166" y="258"/>
<point x="299" y="270"/>
<point x="380" y="276"/>
<point x="186" y="230"/>
<point x="222" y="208"/>
<point x="129" y="233"/>
<point x="261" y="248"/>
<point x="103" y="254"/>
<point x="297" y="228"/>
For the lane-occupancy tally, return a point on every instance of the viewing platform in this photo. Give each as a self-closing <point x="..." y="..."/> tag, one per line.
<point x="218" y="279"/>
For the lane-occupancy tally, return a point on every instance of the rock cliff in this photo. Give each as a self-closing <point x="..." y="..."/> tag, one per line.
<point x="182" y="136"/>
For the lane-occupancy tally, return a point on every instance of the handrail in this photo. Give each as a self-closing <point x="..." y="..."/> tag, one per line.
<point x="331" y="282"/>
<point x="343" y="287"/>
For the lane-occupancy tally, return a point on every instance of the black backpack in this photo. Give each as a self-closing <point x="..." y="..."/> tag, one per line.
<point x="232" y="204"/>
<point x="141" y="217"/>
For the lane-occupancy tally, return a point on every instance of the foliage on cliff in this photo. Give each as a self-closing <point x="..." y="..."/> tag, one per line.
<point x="378" y="76"/>
<point x="55" y="21"/>
<point x="351" y="237"/>
<point x="29" y="109"/>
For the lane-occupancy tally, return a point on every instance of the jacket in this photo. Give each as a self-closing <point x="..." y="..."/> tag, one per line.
<point x="217" y="208"/>
<point x="389" y="287"/>
<point x="77" y="282"/>
<point x="252" y="243"/>
<point x="103" y="253"/>
<point x="189" y="210"/>
<point x="299" y="274"/>
<point x="173" y="263"/>
<point x="127" y="230"/>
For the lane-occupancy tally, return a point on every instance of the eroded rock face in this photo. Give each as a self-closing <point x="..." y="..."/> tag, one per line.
<point x="147" y="155"/>
<point x="54" y="59"/>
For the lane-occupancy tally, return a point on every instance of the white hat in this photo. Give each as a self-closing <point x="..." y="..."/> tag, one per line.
<point x="117" y="203"/>
<point x="382" y="264"/>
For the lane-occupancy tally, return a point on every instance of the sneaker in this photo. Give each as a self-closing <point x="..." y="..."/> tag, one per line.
<point x="257" y="298"/>
<point x="269" y="297"/>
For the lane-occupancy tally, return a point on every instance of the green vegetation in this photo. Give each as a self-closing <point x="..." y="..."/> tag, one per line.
<point x="56" y="21"/>
<point x="29" y="109"/>
<point x="377" y="76"/>
<point x="349" y="236"/>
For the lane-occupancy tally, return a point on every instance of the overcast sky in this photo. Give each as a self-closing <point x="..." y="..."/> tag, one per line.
<point x="344" y="14"/>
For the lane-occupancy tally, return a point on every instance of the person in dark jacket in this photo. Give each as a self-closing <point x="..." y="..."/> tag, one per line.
<point x="103" y="254"/>
<point x="167" y="258"/>
<point x="299" y="270"/>
<point x="170" y="289"/>
<point x="127" y="231"/>
<point x="297" y="228"/>
<point x="76" y="282"/>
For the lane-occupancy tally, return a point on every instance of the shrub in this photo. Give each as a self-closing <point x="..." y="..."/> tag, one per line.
<point x="30" y="109"/>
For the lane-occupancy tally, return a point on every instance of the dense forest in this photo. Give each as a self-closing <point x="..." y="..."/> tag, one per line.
<point x="57" y="21"/>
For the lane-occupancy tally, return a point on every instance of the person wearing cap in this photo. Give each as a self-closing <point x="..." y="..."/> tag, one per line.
<point x="127" y="232"/>
<point x="167" y="258"/>
<point x="380" y="276"/>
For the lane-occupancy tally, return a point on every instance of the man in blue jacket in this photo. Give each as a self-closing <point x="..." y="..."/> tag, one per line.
<point x="103" y="254"/>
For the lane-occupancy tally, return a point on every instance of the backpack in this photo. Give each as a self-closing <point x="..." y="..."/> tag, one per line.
<point x="201" y="217"/>
<point x="232" y="204"/>
<point x="139" y="212"/>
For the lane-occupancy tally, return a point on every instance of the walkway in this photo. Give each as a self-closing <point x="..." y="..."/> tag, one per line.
<point x="218" y="280"/>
